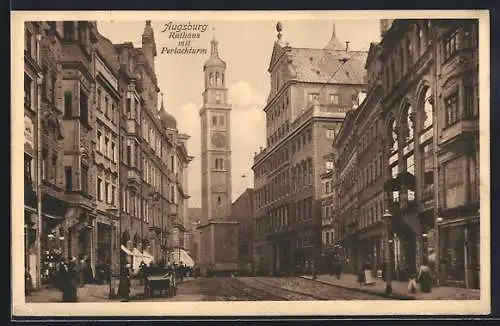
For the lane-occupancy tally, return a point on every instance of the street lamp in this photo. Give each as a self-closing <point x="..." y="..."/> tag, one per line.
<point x="388" y="218"/>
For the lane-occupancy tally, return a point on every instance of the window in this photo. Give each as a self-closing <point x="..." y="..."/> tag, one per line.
<point x="99" y="189"/>
<point x="113" y="195"/>
<point x="214" y="121"/>
<point x="68" y="104"/>
<point x="427" y="112"/>
<point x="329" y="165"/>
<point x="330" y="133"/>
<point x="84" y="179"/>
<point x="107" y="192"/>
<point x="221" y="121"/>
<point x="106" y="105"/>
<point x="106" y="147"/>
<point x="129" y="155"/>
<point x="334" y="99"/>
<point x="68" y="31"/>
<point x="312" y="97"/>
<point x="409" y="52"/>
<point x="27" y="91"/>
<point x="113" y="151"/>
<point x="219" y="164"/>
<point x="172" y="194"/>
<point x="128" y="106"/>
<point x="54" y="167"/>
<point x="99" y="99"/>
<point x="44" y="164"/>
<point x="468" y="101"/>
<point x="451" y="110"/>
<point x="99" y="141"/>
<point x="28" y="161"/>
<point x="27" y="45"/>
<point x="84" y="110"/>
<point x="454" y="176"/>
<point x="450" y="47"/>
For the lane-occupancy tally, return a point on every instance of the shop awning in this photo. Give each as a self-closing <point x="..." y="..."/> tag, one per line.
<point x="181" y="255"/>
<point x="125" y="250"/>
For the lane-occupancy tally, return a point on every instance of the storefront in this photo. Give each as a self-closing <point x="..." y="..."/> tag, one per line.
<point x="459" y="252"/>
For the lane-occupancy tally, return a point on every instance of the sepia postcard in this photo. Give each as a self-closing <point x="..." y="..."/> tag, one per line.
<point x="278" y="163"/>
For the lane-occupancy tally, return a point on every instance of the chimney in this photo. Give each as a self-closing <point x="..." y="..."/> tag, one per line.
<point x="347" y="46"/>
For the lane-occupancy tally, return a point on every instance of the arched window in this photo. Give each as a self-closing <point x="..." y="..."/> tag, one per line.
<point x="427" y="114"/>
<point x="410" y="125"/>
<point x="217" y="79"/>
<point x="409" y="158"/>
<point x="219" y="201"/>
<point x="393" y="159"/>
<point x="394" y="136"/>
<point x="222" y="80"/>
<point x="211" y="79"/>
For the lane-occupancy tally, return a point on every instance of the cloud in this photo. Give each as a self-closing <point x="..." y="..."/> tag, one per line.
<point x="242" y="96"/>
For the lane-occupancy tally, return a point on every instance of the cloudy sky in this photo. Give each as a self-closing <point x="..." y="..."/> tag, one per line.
<point x="246" y="46"/>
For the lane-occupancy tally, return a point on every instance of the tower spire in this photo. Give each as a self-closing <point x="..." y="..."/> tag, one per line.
<point x="162" y="108"/>
<point x="334" y="43"/>
<point x="214" y="51"/>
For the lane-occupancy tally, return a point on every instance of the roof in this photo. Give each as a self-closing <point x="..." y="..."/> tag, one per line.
<point x="327" y="66"/>
<point x="107" y="51"/>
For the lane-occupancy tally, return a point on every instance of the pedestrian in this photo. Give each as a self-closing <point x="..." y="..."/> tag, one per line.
<point x="28" y="282"/>
<point x="68" y="279"/>
<point x="124" y="286"/>
<point x="361" y="275"/>
<point x="142" y="272"/>
<point x="424" y="277"/>
<point x="338" y="267"/>
<point x="80" y="266"/>
<point x="89" y="273"/>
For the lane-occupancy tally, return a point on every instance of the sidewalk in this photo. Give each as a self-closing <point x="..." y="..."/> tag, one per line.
<point x="399" y="288"/>
<point x="89" y="293"/>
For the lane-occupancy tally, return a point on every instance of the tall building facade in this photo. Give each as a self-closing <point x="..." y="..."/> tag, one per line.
<point x="100" y="158"/>
<point x="242" y="211"/>
<point x="218" y="232"/>
<point x="311" y="89"/>
<point x="423" y="104"/>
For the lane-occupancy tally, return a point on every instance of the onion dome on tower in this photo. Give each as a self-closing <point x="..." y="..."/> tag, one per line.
<point x="167" y="120"/>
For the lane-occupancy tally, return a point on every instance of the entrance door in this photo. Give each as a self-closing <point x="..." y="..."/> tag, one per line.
<point x="83" y="244"/>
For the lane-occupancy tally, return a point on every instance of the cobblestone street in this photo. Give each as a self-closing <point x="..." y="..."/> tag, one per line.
<point x="224" y="289"/>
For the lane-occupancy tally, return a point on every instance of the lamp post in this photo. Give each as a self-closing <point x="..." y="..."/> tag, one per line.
<point x="388" y="218"/>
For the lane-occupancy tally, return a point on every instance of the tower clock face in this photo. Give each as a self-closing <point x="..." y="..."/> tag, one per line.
<point x="219" y="139"/>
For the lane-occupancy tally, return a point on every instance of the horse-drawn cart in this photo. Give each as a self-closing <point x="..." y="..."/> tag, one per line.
<point x="164" y="284"/>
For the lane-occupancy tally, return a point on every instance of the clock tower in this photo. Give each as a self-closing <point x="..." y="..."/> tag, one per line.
<point x="218" y="231"/>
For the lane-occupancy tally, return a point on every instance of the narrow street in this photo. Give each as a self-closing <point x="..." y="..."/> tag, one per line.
<point x="223" y="289"/>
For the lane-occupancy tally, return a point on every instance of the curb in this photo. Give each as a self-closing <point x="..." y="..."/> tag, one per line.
<point x="380" y="294"/>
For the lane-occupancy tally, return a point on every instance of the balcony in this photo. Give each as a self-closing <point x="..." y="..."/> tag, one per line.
<point x="456" y="133"/>
<point x="131" y="127"/>
<point x="427" y="198"/>
<point x="134" y="176"/>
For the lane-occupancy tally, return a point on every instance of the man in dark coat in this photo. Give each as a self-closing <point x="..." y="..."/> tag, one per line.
<point x="67" y="280"/>
<point x="124" y="286"/>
